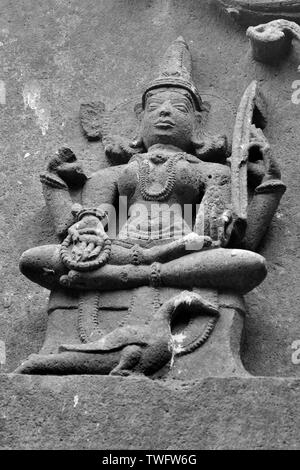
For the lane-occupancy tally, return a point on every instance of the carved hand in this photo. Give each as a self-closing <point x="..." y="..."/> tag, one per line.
<point x="230" y="225"/>
<point x="259" y="140"/>
<point x="66" y="166"/>
<point x="88" y="237"/>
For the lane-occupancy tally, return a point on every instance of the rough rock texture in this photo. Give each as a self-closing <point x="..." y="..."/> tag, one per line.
<point x="89" y="113"/>
<point x="137" y="413"/>
<point x="57" y="54"/>
<point x="272" y="42"/>
<point x="254" y="12"/>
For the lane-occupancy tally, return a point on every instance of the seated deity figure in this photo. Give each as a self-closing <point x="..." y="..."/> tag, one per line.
<point x="167" y="175"/>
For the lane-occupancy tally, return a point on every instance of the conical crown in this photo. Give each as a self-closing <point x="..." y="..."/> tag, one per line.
<point x="176" y="71"/>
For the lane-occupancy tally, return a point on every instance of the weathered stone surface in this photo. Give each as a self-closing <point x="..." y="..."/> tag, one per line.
<point x="136" y="413"/>
<point x="271" y="42"/>
<point x="257" y="11"/>
<point x="178" y="252"/>
<point x="90" y="117"/>
<point x="57" y="54"/>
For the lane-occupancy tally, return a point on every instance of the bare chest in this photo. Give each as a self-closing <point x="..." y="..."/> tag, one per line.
<point x="160" y="179"/>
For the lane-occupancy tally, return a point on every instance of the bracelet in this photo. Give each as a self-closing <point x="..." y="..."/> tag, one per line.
<point x="100" y="214"/>
<point x="53" y="181"/>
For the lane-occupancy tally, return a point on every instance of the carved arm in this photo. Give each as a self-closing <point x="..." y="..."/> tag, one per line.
<point x="62" y="183"/>
<point x="266" y="196"/>
<point x="214" y="217"/>
<point x="88" y="246"/>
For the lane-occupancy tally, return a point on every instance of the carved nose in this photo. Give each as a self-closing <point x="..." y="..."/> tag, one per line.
<point x="165" y="109"/>
<point x="164" y="112"/>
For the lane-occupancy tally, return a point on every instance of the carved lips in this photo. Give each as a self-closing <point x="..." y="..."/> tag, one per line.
<point x="164" y="123"/>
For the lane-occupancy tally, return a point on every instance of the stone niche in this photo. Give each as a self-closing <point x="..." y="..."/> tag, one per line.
<point x="62" y="62"/>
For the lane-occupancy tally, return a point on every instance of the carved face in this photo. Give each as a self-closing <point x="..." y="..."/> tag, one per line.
<point x="169" y="118"/>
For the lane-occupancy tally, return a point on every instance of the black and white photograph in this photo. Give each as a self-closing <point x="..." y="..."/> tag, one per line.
<point x="150" y="228"/>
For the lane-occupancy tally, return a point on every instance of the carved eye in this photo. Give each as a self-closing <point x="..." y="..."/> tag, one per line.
<point x="181" y="107"/>
<point x="152" y="106"/>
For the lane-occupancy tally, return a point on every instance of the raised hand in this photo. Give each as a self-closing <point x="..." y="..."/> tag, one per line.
<point x="65" y="165"/>
<point x="230" y="226"/>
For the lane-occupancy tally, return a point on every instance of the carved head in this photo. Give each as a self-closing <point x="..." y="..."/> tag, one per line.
<point x="171" y="102"/>
<point x="169" y="118"/>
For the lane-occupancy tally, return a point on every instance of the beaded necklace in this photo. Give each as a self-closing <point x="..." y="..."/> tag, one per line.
<point x="144" y="180"/>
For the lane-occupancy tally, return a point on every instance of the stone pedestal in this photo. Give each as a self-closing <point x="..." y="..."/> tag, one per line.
<point x="57" y="56"/>
<point x="218" y="356"/>
<point x="88" y="412"/>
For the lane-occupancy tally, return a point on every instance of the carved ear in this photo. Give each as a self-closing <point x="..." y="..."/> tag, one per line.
<point x="198" y="117"/>
<point x="197" y="128"/>
<point x="138" y="109"/>
<point x="205" y="106"/>
<point x="201" y="116"/>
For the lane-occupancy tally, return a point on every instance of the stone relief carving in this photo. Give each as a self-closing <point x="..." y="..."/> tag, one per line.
<point x="168" y="284"/>
<point x="256" y="12"/>
<point x="272" y="41"/>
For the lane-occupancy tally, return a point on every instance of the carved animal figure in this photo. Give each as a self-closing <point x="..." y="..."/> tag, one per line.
<point x="141" y="349"/>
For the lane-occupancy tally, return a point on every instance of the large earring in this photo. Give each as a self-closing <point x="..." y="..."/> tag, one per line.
<point x="138" y="109"/>
<point x="137" y="142"/>
<point x="197" y="141"/>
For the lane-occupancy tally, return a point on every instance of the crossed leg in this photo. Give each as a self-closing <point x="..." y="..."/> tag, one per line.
<point x="218" y="268"/>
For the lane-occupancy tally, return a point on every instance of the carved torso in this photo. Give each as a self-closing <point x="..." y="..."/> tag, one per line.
<point x="177" y="169"/>
<point x="163" y="185"/>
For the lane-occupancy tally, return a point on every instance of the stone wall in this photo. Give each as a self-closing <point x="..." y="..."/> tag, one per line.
<point x="137" y="413"/>
<point x="56" y="54"/>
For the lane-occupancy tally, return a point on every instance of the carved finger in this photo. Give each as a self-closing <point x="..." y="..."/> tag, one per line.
<point x="100" y="230"/>
<point x="271" y="165"/>
<point x="258" y="138"/>
<point x="86" y="254"/>
<point x="78" y="250"/>
<point x="74" y="234"/>
<point x="74" y="251"/>
<point x="96" y="251"/>
<point x="96" y="240"/>
<point x="86" y="231"/>
<point x="226" y="217"/>
<point x="73" y="276"/>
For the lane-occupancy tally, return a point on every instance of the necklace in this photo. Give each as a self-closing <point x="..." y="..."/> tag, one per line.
<point x="144" y="180"/>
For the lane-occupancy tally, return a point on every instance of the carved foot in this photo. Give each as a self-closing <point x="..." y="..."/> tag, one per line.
<point x="130" y="357"/>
